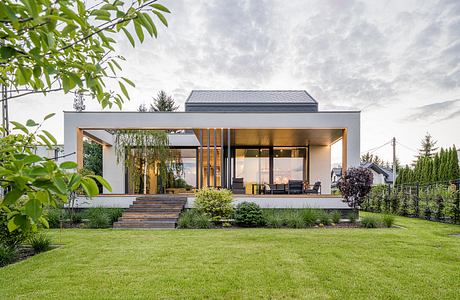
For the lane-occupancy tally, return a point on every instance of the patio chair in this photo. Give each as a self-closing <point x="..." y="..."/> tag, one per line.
<point x="238" y="186"/>
<point x="295" y="187"/>
<point x="277" y="188"/>
<point x="316" y="189"/>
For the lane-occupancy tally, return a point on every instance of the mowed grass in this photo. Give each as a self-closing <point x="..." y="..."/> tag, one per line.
<point x="419" y="261"/>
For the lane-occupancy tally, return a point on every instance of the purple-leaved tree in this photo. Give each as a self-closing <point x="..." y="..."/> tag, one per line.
<point x="354" y="185"/>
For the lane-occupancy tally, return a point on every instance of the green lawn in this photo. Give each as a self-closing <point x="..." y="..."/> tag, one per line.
<point x="418" y="261"/>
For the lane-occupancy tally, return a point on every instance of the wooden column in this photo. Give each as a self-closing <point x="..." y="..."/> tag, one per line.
<point x="201" y="159"/>
<point x="208" y="173"/>
<point x="79" y="148"/>
<point x="222" y="159"/>
<point x="229" y="160"/>
<point x="215" y="157"/>
<point x="344" y="151"/>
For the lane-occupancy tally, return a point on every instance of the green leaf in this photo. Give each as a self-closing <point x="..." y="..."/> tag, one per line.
<point x="152" y="24"/>
<point x="60" y="185"/>
<point x="45" y="140"/>
<point x="7" y="52"/>
<point x="91" y="186"/>
<point x="161" y="17"/>
<point x="19" y="126"/>
<point x="128" y="81"/>
<point x="68" y="29"/>
<point x="11" y="197"/>
<point x="102" y="181"/>
<point x="68" y="165"/>
<point x="44" y="221"/>
<point x="138" y="29"/>
<point x="123" y="89"/>
<point x="33" y="208"/>
<point x="30" y="159"/>
<point x="74" y="181"/>
<point x="129" y="36"/>
<point x="31" y="123"/>
<point x="12" y="226"/>
<point x="50" y="136"/>
<point x="48" y="116"/>
<point x="160" y="7"/>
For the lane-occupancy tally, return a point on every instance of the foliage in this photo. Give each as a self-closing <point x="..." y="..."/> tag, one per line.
<point x="11" y="238"/>
<point x="324" y="218"/>
<point x="54" y="217"/>
<point x="142" y="148"/>
<point x="388" y="220"/>
<point x="352" y="217"/>
<point x="162" y="102"/>
<point x="310" y="216"/>
<point x="33" y="182"/>
<point x="193" y="219"/>
<point x="428" y="147"/>
<point x="293" y="219"/>
<point x="98" y="217"/>
<point x="216" y="203"/>
<point x="370" y="222"/>
<point x="249" y="214"/>
<point x="273" y="219"/>
<point x="65" y="45"/>
<point x="335" y="216"/>
<point x="40" y="242"/>
<point x="92" y="157"/>
<point x="431" y="169"/>
<point x="8" y="255"/>
<point x="354" y="185"/>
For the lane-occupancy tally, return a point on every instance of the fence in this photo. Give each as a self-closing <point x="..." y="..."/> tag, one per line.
<point x="438" y="201"/>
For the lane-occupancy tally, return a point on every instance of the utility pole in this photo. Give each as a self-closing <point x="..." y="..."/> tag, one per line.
<point x="393" y="142"/>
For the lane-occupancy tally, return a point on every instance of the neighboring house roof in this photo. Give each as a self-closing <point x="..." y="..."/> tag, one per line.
<point x="250" y="101"/>
<point x="388" y="174"/>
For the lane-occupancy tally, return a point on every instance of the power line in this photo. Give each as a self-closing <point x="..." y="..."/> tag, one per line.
<point x="372" y="150"/>
<point x="407" y="147"/>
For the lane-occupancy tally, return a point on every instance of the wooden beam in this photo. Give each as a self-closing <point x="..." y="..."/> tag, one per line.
<point x="79" y="148"/>
<point x="344" y="151"/>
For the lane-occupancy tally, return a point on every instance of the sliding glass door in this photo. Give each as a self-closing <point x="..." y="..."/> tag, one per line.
<point x="253" y="165"/>
<point x="289" y="163"/>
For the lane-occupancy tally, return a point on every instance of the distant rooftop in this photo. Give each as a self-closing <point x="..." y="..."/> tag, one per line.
<point x="250" y="101"/>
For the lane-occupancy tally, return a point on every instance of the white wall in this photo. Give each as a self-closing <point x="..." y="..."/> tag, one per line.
<point x="188" y="120"/>
<point x="320" y="167"/>
<point x="378" y="178"/>
<point x="112" y="171"/>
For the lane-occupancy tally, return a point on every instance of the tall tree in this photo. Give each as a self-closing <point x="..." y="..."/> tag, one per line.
<point x="428" y="147"/>
<point x="92" y="157"/>
<point x="163" y="102"/>
<point x="455" y="164"/>
<point x="142" y="108"/>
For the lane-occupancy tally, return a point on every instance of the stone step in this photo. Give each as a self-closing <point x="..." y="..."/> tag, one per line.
<point x="145" y="224"/>
<point x="147" y="218"/>
<point x="128" y="215"/>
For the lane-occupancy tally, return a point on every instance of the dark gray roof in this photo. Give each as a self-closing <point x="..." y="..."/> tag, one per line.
<point x="251" y="101"/>
<point x="388" y="174"/>
<point x="249" y="96"/>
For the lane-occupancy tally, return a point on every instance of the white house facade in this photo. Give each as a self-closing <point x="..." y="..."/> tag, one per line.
<point x="260" y="141"/>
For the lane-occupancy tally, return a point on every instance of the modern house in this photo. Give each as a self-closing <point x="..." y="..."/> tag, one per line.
<point x="256" y="142"/>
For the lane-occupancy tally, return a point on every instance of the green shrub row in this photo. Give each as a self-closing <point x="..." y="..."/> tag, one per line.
<point x="302" y="218"/>
<point x="97" y="217"/>
<point x="386" y="220"/>
<point x="193" y="219"/>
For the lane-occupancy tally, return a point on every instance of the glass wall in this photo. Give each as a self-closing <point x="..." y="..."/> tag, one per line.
<point x="183" y="171"/>
<point x="289" y="164"/>
<point x="253" y="165"/>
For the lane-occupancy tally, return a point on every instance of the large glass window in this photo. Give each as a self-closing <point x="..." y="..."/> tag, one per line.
<point x="253" y="165"/>
<point x="184" y="175"/>
<point x="289" y="164"/>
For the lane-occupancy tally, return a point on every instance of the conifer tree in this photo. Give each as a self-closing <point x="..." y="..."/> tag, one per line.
<point x="428" y="147"/>
<point x="455" y="165"/>
<point x="435" y="170"/>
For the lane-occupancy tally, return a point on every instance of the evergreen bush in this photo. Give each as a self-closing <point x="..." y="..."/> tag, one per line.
<point x="216" y="203"/>
<point x="249" y="214"/>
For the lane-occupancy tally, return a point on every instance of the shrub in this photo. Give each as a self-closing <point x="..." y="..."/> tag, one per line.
<point x="335" y="216"/>
<point x="294" y="219"/>
<point x="54" y="217"/>
<point x="7" y="238"/>
<point x="249" y="214"/>
<point x="40" y="242"/>
<point x="369" y="222"/>
<point x="354" y="185"/>
<point x="8" y="255"/>
<point x="114" y="214"/>
<point x="388" y="220"/>
<point x="98" y="218"/>
<point x="273" y="219"/>
<point x="215" y="203"/>
<point x="192" y="218"/>
<point x="309" y="217"/>
<point x="324" y="218"/>
<point x="352" y="217"/>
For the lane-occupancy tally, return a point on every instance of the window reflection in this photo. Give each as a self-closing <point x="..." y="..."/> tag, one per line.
<point x="288" y="164"/>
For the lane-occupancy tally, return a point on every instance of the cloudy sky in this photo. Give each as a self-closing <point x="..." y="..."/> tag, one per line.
<point x="396" y="61"/>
